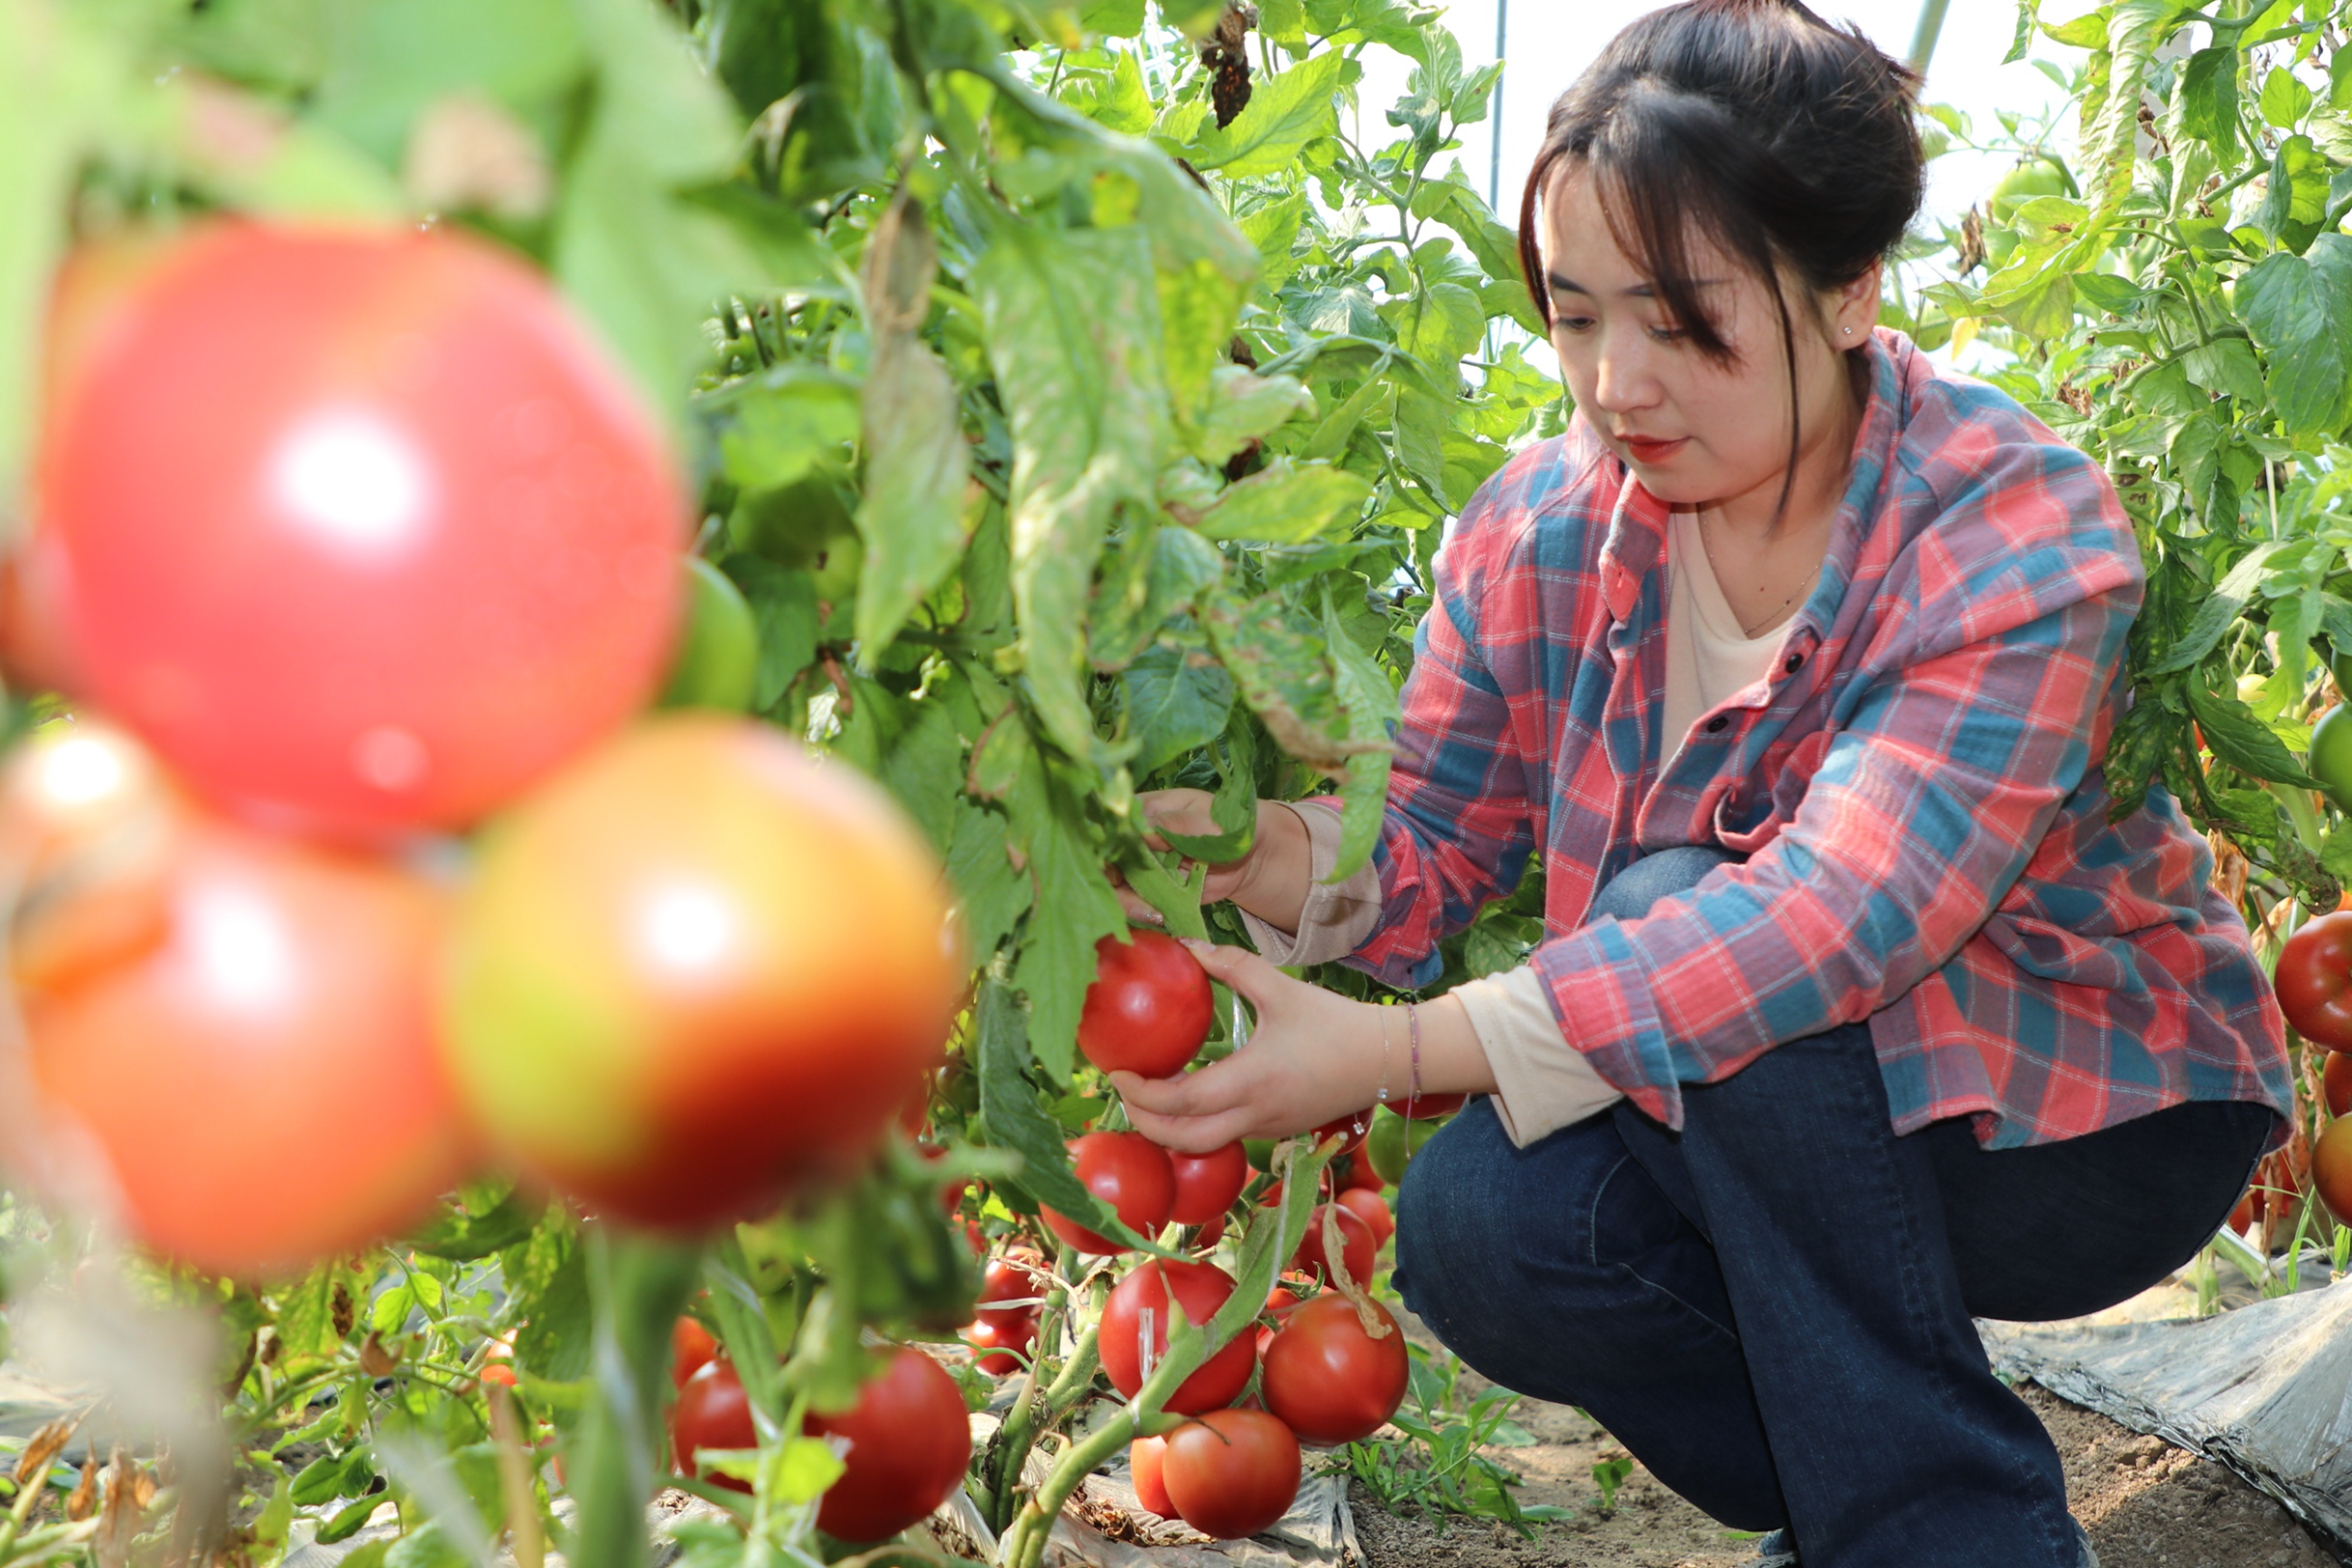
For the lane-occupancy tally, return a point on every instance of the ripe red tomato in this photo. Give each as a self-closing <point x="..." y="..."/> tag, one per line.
<point x="1353" y="1128"/>
<point x="1200" y="1289"/>
<point x="358" y="528"/>
<point x="1144" y="1456"/>
<point x="2335" y="1082"/>
<point x="1129" y="1172"/>
<point x="1011" y="1278"/>
<point x="248" y="1041"/>
<point x="712" y="1411"/>
<point x="1002" y="1343"/>
<point x="87" y="818"/>
<point x="1207" y="1184"/>
<point x="2315" y="980"/>
<point x="1330" y="1382"/>
<point x="696" y="969"/>
<point x="908" y="1443"/>
<point x="2332" y="1168"/>
<point x="1373" y="1210"/>
<point x="1149" y="1007"/>
<point x="1359" y="1176"/>
<point x="1231" y="1472"/>
<point x="1358" y="1248"/>
<point x="691" y="1349"/>
<point x="1279" y="1302"/>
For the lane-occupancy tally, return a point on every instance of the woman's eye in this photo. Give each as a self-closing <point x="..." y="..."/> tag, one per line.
<point x="1665" y="335"/>
<point x="1571" y="324"/>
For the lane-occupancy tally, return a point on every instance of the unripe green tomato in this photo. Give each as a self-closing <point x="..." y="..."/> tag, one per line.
<point x="2250" y="684"/>
<point x="2329" y="759"/>
<point x="2340" y="667"/>
<point x="1394" y="1141"/>
<point x="1259" y="1152"/>
<point x="718" y="653"/>
<point x="2039" y="177"/>
<point x="844" y="557"/>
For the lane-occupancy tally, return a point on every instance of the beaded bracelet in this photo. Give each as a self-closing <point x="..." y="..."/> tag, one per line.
<point x="1386" y="1045"/>
<point x="1413" y="1087"/>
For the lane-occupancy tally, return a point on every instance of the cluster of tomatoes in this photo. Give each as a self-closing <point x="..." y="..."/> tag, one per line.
<point x="355" y="859"/>
<point x="1321" y="1369"/>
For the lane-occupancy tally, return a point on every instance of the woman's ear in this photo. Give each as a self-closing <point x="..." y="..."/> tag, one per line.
<point x="1854" y="308"/>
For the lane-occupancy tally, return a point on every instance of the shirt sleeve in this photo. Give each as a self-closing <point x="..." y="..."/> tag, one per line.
<point x="1459" y="828"/>
<point x="1540" y="1086"/>
<point x="1336" y="917"/>
<point x="1923" y="811"/>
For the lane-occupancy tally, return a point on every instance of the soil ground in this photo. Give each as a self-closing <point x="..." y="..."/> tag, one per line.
<point x="2145" y="1503"/>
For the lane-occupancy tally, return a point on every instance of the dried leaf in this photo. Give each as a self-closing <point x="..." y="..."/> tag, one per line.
<point x="84" y="1500"/>
<point x="470" y="155"/>
<point x="42" y="1449"/>
<point x="376" y="1358"/>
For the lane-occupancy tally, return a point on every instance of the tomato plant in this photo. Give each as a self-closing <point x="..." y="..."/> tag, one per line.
<point x="1329" y="1379"/>
<point x="289" y="449"/>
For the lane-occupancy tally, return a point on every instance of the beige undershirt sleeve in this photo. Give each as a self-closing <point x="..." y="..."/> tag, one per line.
<point x="1542" y="1083"/>
<point x="1336" y="918"/>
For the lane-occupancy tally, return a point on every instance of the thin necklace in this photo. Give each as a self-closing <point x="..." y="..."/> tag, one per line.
<point x="1699" y="524"/>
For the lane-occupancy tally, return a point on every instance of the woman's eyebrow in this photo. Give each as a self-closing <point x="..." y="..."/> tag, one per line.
<point x="1638" y="291"/>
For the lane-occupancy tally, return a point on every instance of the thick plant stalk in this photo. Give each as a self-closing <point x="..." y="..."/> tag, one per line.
<point x="524" y="1535"/>
<point x="638" y="1284"/>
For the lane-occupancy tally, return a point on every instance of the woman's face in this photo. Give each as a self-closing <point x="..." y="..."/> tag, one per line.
<point x="1698" y="431"/>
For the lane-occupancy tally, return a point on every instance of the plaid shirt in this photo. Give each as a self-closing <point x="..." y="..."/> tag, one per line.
<point x="1915" y="786"/>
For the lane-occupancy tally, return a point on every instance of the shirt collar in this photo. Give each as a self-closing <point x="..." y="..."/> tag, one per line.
<point x="1638" y="520"/>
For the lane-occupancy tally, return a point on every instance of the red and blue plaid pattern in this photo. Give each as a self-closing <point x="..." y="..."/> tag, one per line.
<point x="1916" y="787"/>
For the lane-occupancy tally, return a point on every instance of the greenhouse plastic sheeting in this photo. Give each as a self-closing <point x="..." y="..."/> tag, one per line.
<point x="2265" y="1391"/>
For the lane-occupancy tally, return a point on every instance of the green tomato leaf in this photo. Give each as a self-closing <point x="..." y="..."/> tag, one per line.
<point x="462" y="1236"/>
<point x="913" y="516"/>
<point x="785" y="422"/>
<point x="1285" y="112"/>
<point x="1074" y="336"/>
<point x="2242" y="741"/>
<point x="1176" y="702"/>
<point x="2299" y="310"/>
<point x="784" y="603"/>
<point x="1016" y="1121"/>
<point x="2220" y="608"/>
<point x="1074" y="909"/>
<point x="990" y="893"/>
<point x="1245" y="407"/>
<point x="1287" y="504"/>
<point x="2283" y="99"/>
<point x="1370" y="702"/>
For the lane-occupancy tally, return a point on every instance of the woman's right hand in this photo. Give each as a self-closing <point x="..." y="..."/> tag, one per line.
<point x="1189" y="814"/>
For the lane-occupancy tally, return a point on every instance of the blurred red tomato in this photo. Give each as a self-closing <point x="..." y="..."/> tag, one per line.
<point x="1135" y="1329"/>
<point x="2335" y="1082"/>
<point x="358" y="526"/>
<point x="2332" y="1170"/>
<point x="1129" y="1173"/>
<point x="1207" y="1184"/>
<point x="1373" y="1210"/>
<point x="252" y="1056"/>
<point x="1329" y="1379"/>
<point x="1012" y="1277"/>
<point x="1359" y="1176"/>
<point x="1143" y="1459"/>
<point x="1000" y="1343"/>
<point x="712" y="1411"/>
<point x="909" y="1443"/>
<point x="698" y="969"/>
<point x="1231" y="1472"/>
<point x="1358" y="1248"/>
<point x="691" y="1349"/>
<point x="1352" y="1128"/>
<point x="1149" y="1007"/>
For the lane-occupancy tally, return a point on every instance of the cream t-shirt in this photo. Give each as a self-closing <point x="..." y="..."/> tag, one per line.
<point x="1542" y="1082"/>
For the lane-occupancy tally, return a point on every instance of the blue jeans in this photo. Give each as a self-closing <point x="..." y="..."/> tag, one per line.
<point x="1771" y="1308"/>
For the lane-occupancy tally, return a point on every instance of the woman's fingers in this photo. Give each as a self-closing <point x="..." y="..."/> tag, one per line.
<point x="1138" y="911"/>
<point x="1215" y="1087"/>
<point x="1192" y="1134"/>
<point x="1243" y="970"/>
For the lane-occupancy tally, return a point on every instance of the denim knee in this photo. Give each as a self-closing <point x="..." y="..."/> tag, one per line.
<point x="1629" y="893"/>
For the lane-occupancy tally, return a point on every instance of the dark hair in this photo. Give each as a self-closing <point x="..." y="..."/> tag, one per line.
<point x="1754" y="124"/>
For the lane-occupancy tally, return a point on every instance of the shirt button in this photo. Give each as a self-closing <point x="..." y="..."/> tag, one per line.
<point x="1716" y="724"/>
<point x="1795" y="661"/>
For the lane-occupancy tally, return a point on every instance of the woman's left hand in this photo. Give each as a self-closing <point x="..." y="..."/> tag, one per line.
<point x="1315" y="1056"/>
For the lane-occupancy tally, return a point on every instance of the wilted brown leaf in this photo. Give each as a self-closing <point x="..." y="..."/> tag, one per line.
<point x="42" y="1449"/>
<point x="467" y="154"/>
